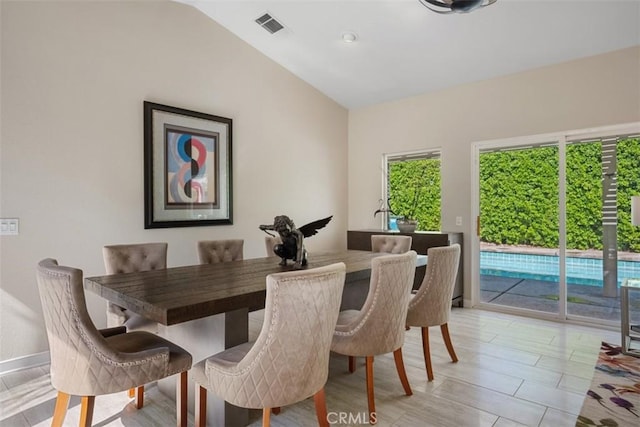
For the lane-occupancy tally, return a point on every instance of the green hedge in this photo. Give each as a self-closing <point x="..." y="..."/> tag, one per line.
<point x="414" y="191"/>
<point x="628" y="185"/>
<point x="519" y="196"/>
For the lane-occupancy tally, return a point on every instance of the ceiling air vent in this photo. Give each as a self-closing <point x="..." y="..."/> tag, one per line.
<point x="269" y="23"/>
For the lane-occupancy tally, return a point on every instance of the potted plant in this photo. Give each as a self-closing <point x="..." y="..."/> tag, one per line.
<point x="406" y="225"/>
<point x="406" y="222"/>
<point x="406" y="189"/>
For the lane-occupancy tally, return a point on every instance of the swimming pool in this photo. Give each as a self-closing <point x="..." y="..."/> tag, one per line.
<point x="580" y="271"/>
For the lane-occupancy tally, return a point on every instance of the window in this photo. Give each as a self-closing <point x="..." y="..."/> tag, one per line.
<point x="413" y="188"/>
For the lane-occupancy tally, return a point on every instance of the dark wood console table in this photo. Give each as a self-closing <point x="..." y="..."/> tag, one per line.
<point x="421" y="241"/>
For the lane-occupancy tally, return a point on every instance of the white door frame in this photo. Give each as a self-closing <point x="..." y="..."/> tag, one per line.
<point x="559" y="138"/>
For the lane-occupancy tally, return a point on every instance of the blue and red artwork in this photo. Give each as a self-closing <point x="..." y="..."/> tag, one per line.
<point x="191" y="167"/>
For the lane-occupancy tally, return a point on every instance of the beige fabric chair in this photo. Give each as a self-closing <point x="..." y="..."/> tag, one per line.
<point x="130" y="259"/>
<point x="378" y="328"/>
<point x="289" y="361"/>
<point x="431" y="305"/>
<point x="88" y="362"/>
<point x="390" y="244"/>
<point x="269" y="243"/>
<point x="215" y="251"/>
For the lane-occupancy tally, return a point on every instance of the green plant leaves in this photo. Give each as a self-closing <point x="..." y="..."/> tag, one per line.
<point x="519" y="196"/>
<point x="414" y="191"/>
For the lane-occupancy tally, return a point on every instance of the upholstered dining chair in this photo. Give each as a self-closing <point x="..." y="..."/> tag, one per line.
<point x="131" y="258"/>
<point x="390" y="244"/>
<point x="269" y="243"/>
<point x="88" y="362"/>
<point x="215" y="251"/>
<point x="378" y="328"/>
<point x="289" y="361"/>
<point x="431" y="304"/>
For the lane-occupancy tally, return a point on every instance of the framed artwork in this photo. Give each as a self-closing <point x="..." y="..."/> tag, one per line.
<point x="187" y="168"/>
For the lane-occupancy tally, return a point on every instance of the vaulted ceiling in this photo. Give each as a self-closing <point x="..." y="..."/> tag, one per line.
<point x="404" y="49"/>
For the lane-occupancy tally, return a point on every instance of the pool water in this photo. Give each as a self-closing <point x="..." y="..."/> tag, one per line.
<point x="580" y="271"/>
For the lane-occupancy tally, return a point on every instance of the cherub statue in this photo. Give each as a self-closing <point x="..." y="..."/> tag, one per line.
<point x="292" y="246"/>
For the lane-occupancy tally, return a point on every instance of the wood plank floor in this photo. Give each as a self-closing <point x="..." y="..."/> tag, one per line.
<point x="513" y="371"/>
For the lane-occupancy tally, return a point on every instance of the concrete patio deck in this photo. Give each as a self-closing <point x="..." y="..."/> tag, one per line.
<point x="541" y="295"/>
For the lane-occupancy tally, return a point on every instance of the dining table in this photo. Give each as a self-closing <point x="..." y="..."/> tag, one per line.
<point x="205" y="308"/>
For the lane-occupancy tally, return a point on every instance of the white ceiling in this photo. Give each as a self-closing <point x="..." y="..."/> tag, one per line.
<point x="404" y="49"/>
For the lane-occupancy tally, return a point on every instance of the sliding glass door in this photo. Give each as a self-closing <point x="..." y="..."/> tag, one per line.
<point x="554" y="232"/>
<point x="519" y="263"/>
<point x="602" y="246"/>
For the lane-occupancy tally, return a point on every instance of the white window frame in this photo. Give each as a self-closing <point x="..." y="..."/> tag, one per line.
<point x="404" y="156"/>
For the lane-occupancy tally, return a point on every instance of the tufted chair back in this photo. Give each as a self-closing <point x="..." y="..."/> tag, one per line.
<point x="131" y="258"/>
<point x="134" y="257"/>
<point x="269" y="243"/>
<point x="289" y="361"/>
<point x="75" y="344"/>
<point x="378" y="328"/>
<point x="390" y="244"/>
<point x="82" y="361"/>
<point x="88" y="362"/>
<point x="215" y="251"/>
<point x="431" y="305"/>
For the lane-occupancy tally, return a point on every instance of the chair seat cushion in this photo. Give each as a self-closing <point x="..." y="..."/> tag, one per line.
<point x="225" y="359"/>
<point x="347" y="317"/>
<point x="231" y="356"/>
<point x="132" y="342"/>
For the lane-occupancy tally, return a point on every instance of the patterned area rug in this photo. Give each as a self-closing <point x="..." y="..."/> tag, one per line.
<point x="613" y="400"/>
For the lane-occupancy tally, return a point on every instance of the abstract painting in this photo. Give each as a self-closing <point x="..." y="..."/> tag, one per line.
<point x="187" y="167"/>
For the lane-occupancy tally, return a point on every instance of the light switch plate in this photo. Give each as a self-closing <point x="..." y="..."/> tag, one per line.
<point x="9" y="226"/>
<point x="458" y="220"/>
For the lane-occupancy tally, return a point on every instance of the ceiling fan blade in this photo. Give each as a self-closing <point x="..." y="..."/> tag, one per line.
<point x="457" y="6"/>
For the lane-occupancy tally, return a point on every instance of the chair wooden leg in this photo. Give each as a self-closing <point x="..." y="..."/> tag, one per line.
<point x="266" y="417"/>
<point x="181" y="399"/>
<point x="276" y="410"/>
<point x="201" y="406"/>
<point x="352" y="364"/>
<point x="370" y="396"/>
<point x="86" y="410"/>
<point x="132" y="393"/>
<point x="397" y="356"/>
<point x="427" y="352"/>
<point x="62" y="402"/>
<point x="140" y="397"/>
<point x="321" y="408"/>
<point x="447" y="341"/>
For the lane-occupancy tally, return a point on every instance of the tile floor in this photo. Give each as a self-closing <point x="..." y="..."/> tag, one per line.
<point x="513" y="371"/>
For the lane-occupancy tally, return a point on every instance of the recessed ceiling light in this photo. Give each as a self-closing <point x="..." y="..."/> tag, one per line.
<point x="349" y="37"/>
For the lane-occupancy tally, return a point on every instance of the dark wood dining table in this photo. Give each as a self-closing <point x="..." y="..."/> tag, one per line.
<point x="205" y="308"/>
<point x="180" y="294"/>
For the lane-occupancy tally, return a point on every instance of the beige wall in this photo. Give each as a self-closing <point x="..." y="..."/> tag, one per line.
<point x="597" y="91"/>
<point x="73" y="79"/>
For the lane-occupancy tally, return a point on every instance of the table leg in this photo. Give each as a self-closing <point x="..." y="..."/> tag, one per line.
<point x="203" y="338"/>
<point x="354" y="294"/>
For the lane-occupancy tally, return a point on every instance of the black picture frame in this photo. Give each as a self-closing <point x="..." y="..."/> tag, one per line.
<point x="187" y="168"/>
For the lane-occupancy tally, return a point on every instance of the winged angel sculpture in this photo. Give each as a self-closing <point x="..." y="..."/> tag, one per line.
<point x="292" y="246"/>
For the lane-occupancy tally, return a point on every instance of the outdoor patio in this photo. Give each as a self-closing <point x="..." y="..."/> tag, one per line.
<point x="583" y="300"/>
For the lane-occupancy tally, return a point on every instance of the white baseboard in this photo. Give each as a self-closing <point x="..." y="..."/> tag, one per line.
<point x="24" y="362"/>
